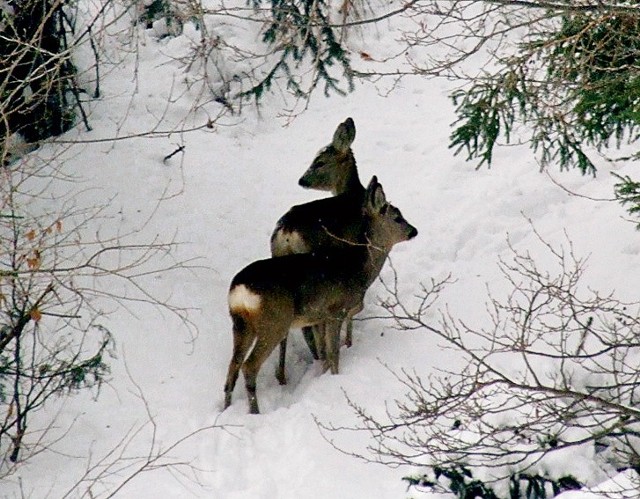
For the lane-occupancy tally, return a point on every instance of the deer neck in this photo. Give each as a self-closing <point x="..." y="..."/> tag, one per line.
<point x="376" y="256"/>
<point x="351" y="182"/>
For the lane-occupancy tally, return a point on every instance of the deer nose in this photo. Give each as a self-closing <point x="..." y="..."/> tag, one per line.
<point x="413" y="232"/>
<point x="303" y="182"/>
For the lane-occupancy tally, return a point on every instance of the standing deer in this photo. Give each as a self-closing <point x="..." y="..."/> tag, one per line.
<point x="326" y="223"/>
<point x="269" y="297"/>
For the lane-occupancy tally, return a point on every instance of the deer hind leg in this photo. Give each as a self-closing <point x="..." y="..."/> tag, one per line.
<point x="312" y="342"/>
<point x="243" y="337"/>
<point x="267" y="342"/>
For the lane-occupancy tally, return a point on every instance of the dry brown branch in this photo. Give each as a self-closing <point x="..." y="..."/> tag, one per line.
<point x="61" y="265"/>
<point x="554" y="369"/>
<point x="109" y="474"/>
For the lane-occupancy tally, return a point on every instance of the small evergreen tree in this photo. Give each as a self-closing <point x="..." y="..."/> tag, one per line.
<point x="302" y="31"/>
<point x="573" y="81"/>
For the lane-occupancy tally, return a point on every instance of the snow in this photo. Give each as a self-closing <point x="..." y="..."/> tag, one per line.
<point x="220" y="200"/>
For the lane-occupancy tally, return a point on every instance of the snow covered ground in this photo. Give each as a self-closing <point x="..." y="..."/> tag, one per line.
<point x="222" y="198"/>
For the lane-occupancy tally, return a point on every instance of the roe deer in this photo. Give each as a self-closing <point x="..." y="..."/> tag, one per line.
<point x="326" y="223"/>
<point x="268" y="297"/>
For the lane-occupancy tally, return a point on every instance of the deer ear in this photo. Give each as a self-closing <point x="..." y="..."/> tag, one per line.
<point x="376" y="199"/>
<point x="344" y="135"/>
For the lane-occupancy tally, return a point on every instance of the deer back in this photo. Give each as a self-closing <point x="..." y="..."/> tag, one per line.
<point x="327" y="223"/>
<point x="302" y="289"/>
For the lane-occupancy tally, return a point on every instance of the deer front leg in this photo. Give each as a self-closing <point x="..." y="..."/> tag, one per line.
<point x="356" y="310"/>
<point x="332" y="343"/>
<point x="280" y="371"/>
<point x="268" y="337"/>
<point x="318" y="332"/>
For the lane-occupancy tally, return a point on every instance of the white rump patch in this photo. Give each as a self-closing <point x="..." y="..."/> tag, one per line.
<point x="242" y="298"/>
<point x="288" y="243"/>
